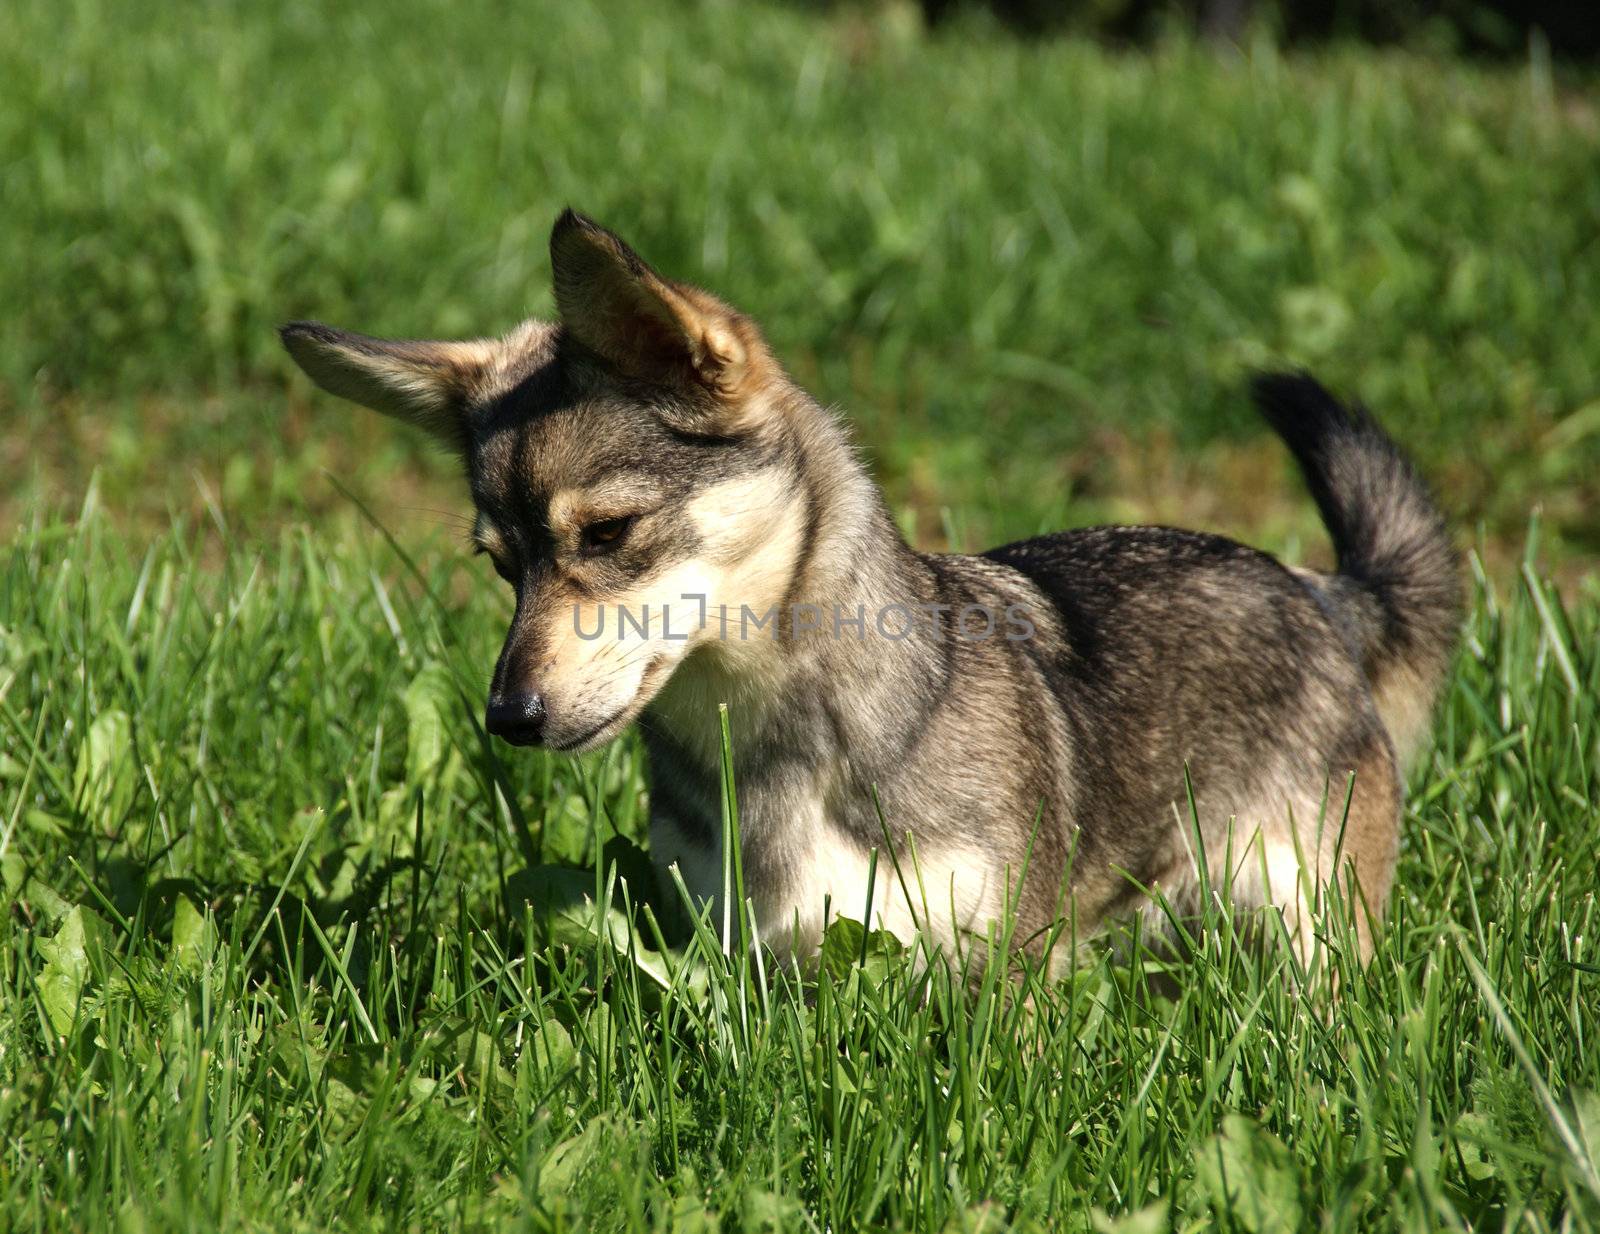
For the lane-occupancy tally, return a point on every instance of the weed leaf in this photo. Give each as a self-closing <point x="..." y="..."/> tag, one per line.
<point x="67" y="971"/>
<point x="1247" y="1173"/>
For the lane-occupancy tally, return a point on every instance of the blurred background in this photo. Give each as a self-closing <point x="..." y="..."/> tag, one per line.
<point x="1030" y="248"/>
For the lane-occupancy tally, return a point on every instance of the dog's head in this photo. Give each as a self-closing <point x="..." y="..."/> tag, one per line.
<point x="631" y="469"/>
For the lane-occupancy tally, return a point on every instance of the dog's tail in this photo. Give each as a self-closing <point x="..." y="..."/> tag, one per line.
<point x="1398" y="585"/>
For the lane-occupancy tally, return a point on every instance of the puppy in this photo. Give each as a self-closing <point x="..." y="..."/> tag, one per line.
<point x="1056" y="727"/>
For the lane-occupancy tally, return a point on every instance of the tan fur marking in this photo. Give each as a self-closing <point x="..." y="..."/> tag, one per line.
<point x="1371" y="842"/>
<point x="487" y="537"/>
<point x="1404" y="698"/>
<point x="569" y="510"/>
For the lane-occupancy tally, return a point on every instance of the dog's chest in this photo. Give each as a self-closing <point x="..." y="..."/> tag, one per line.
<point x="810" y="854"/>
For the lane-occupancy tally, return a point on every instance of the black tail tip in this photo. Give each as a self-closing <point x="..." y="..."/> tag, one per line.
<point x="1291" y="393"/>
<point x="1301" y="409"/>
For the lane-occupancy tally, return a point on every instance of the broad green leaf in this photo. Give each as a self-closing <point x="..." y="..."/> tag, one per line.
<point x="565" y="1163"/>
<point x="43" y="899"/>
<point x="1151" y="1220"/>
<point x="845" y="942"/>
<point x="1246" y="1172"/>
<point x="568" y="829"/>
<point x="193" y="936"/>
<point x="553" y="1049"/>
<point x="103" y="780"/>
<point x="480" y="1059"/>
<point x="841" y="947"/>
<point x="426" y="700"/>
<point x="1471" y="1133"/>
<point x="65" y="977"/>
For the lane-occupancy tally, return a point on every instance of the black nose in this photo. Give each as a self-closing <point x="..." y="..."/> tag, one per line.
<point x="518" y="718"/>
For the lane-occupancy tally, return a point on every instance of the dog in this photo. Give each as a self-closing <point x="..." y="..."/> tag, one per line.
<point x="1058" y="729"/>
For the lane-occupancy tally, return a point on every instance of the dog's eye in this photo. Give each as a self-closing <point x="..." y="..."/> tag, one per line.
<point x="499" y="567"/>
<point x="605" y="535"/>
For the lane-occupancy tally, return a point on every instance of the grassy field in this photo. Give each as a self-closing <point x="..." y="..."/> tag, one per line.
<point x="282" y="953"/>
<point x="290" y="944"/>
<point x="1033" y="274"/>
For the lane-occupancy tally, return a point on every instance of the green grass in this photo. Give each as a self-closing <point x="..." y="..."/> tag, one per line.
<point x="286" y="949"/>
<point x="1034" y="270"/>
<point x="290" y="944"/>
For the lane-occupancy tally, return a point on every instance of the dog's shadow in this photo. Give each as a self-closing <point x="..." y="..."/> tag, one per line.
<point x="561" y="901"/>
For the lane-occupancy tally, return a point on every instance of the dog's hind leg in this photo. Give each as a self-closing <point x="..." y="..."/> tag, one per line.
<point x="1367" y="838"/>
<point x="1334" y="857"/>
<point x="1295" y="857"/>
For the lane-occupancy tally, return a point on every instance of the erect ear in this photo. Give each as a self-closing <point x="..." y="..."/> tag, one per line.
<point x="426" y="384"/>
<point x="648" y="326"/>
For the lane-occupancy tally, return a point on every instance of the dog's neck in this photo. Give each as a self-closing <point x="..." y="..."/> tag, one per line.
<point x="852" y="569"/>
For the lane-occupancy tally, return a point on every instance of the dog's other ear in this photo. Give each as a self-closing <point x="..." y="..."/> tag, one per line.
<point x="647" y="326"/>
<point x="422" y="383"/>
